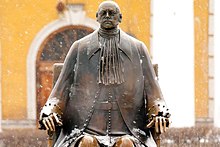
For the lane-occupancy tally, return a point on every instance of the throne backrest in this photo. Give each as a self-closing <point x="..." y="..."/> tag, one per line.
<point x="57" y="67"/>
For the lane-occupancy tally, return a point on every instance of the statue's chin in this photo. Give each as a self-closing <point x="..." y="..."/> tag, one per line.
<point x="108" y="27"/>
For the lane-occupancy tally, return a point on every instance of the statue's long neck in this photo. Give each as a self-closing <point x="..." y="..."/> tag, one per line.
<point x="108" y="33"/>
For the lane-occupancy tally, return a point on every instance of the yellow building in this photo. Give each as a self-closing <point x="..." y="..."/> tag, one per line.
<point x="35" y="34"/>
<point x="31" y="30"/>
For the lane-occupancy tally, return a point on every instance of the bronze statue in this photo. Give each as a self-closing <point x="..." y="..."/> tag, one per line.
<point x="107" y="94"/>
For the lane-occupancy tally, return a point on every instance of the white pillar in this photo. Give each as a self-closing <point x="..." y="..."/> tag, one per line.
<point x="217" y="62"/>
<point x="173" y="49"/>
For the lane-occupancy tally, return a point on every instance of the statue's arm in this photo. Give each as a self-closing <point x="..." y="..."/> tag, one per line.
<point x="156" y="108"/>
<point x="51" y="113"/>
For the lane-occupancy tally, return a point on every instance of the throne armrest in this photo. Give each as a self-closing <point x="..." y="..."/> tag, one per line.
<point x="57" y="67"/>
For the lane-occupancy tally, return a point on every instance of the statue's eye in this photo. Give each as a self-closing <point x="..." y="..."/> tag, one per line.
<point x="112" y="12"/>
<point x="102" y="13"/>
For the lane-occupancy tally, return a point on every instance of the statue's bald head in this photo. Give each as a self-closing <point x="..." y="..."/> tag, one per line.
<point x="108" y="15"/>
<point x="109" y="3"/>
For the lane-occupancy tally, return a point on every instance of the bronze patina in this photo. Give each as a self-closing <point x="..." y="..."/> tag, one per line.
<point x="107" y="93"/>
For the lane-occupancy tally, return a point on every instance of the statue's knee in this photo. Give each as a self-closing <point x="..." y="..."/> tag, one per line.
<point x="124" y="142"/>
<point x="88" y="141"/>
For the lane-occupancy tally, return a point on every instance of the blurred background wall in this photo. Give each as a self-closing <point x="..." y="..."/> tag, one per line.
<point x="179" y="34"/>
<point x="217" y="62"/>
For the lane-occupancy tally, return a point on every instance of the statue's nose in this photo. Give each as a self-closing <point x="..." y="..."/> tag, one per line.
<point x="107" y="14"/>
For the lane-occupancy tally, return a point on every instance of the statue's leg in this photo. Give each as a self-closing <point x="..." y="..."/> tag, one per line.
<point x="88" y="141"/>
<point x="124" y="142"/>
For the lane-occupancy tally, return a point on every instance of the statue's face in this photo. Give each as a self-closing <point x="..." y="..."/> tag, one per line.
<point x="108" y="15"/>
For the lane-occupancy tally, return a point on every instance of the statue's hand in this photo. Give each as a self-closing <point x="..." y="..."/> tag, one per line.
<point x="50" y="122"/>
<point x="160" y="123"/>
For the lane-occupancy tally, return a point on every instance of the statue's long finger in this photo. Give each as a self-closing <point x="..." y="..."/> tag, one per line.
<point x="169" y="122"/>
<point x="52" y="123"/>
<point x="150" y="124"/>
<point x="156" y="125"/>
<point x="161" y="124"/>
<point x="49" y="124"/>
<point x="57" y="120"/>
<point x="164" y="124"/>
<point x="45" y="124"/>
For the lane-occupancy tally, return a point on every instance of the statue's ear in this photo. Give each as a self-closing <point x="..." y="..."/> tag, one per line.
<point x="120" y="17"/>
<point x="96" y="16"/>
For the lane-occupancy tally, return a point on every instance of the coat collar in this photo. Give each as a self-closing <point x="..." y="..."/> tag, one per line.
<point x="124" y="44"/>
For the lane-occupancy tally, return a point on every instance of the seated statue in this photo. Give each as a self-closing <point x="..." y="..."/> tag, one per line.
<point x="107" y="94"/>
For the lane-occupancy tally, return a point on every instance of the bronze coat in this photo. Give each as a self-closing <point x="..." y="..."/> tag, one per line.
<point x="77" y="88"/>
